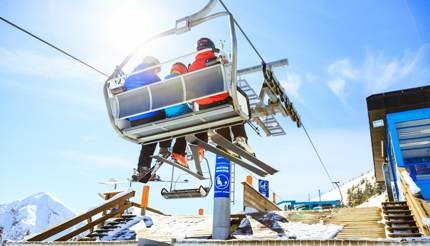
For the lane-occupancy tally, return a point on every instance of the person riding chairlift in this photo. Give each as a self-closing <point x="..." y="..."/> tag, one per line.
<point x="204" y="59"/>
<point x="178" y="151"/>
<point x="138" y="80"/>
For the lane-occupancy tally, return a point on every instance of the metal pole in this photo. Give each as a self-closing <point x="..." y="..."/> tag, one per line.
<point x="222" y="210"/>
<point x="340" y="192"/>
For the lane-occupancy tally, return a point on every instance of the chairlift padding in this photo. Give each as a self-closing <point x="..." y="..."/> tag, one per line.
<point x="170" y="92"/>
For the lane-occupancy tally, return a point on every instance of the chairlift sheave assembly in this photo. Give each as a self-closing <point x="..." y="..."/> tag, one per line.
<point x="216" y="79"/>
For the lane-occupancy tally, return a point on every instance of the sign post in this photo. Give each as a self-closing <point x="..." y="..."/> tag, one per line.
<point x="263" y="187"/>
<point x="221" y="211"/>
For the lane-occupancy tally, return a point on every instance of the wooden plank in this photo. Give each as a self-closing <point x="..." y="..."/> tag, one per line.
<point x="420" y="208"/>
<point x="254" y="199"/>
<point x="115" y="201"/>
<point x="94" y="223"/>
<point x="358" y="222"/>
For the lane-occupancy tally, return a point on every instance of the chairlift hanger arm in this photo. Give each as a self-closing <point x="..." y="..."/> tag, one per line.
<point x="182" y="25"/>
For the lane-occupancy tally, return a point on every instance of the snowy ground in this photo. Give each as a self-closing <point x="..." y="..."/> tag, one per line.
<point x="269" y="225"/>
<point x="375" y="201"/>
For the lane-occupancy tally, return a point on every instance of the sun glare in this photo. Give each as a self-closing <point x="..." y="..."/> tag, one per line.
<point x="130" y="24"/>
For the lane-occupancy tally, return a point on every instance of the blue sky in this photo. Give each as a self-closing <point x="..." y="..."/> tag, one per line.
<point x="56" y="136"/>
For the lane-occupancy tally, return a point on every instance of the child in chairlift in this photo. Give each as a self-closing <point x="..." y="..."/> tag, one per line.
<point x="178" y="151"/>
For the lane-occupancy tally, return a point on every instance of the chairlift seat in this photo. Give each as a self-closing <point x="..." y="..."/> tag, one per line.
<point x="187" y="88"/>
<point x="185" y="193"/>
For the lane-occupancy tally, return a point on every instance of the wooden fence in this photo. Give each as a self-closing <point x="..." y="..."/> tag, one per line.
<point x="254" y="199"/>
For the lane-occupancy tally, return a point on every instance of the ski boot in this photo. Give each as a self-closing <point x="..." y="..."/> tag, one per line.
<point x="180" y="159"/>
<point x="242" y="143"/>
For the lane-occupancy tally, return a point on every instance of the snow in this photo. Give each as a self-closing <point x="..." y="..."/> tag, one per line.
<point x="375" y="201"/>
<point x="412" y="186"/>
<point x="334" y="193"/>
<point x="123" y="232"/>
<point x="264" y="226"/>
<point x="32" y="215"/>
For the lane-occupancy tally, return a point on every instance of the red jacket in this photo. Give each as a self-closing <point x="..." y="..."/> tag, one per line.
<point x="199" y="63"/>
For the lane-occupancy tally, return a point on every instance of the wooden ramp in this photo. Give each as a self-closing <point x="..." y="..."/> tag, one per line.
<point x="254" y="199"/>
<point x="358" y="222"/>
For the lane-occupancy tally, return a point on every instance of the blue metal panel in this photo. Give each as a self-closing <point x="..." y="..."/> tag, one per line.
<point x="394" y="143"/>
<point x="405" y="116"/>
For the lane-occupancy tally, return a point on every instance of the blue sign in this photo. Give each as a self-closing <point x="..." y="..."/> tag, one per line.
<point x="263" y="187"/>
<point x="222" y="177"/>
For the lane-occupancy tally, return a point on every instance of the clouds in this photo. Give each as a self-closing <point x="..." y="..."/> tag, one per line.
<point x="377" y="72"/>
<point x="292" y="85"/>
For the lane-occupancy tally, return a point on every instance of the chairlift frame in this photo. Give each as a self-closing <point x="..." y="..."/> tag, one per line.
<point x="183" y="25"/>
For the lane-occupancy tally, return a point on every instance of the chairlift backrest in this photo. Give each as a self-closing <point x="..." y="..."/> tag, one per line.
<point x="166" y="93"/>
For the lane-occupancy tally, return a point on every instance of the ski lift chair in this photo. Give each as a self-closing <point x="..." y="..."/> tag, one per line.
<point x="185" y="193"/>
<point x="199" y="192"/>
<point x="187" y="88"/>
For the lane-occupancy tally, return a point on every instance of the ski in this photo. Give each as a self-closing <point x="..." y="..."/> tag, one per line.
<point x="220" y="140"/>
<point x="208" y="147"/>
<point x="196" y="157"/>
<point x="187" y="170"/>
<point x="151" y="173"/>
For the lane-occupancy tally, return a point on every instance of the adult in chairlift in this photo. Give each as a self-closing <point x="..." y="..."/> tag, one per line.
<point x="204" y="59"/>
<point x="138" y="80"/>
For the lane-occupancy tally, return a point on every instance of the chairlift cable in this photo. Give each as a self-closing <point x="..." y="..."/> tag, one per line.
<point x="318" y="155"/>
<point x="53" y="46"/>
<point x="243" y="32"/>
<point x="258" y="53"/>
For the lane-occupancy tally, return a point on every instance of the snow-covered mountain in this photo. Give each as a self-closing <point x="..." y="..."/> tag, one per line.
<point x="359" y="182"/>
<point x="31" y="215"/>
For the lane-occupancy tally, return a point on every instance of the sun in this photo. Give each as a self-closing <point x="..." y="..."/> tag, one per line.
<point x="130" y="24"/>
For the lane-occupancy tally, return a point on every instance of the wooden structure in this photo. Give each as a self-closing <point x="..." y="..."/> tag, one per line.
<point x="399" y="220"/>
<point x="420" y="208"/>
<point x="254" y="199"/>
<point x="111" y="208"/>
<point x="358" y="222"/>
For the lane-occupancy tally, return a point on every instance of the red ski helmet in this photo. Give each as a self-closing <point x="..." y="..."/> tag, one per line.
<point x="179" y="68"/>
<point x="206" y="43"/>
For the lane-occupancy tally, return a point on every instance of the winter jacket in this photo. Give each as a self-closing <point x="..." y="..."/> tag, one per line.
<point x="199" y="63"/>
<point x="177" y="109"/>
<point x="139" y="80"/>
